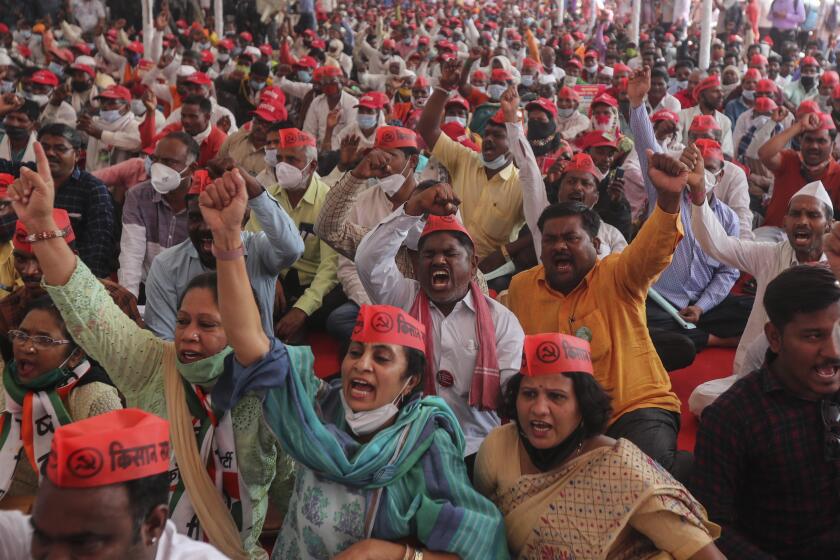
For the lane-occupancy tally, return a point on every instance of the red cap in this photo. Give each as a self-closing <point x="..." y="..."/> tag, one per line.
<point x="424" y="40"/>
<point x="830" y="78"/>
<point x="306" y="62"/>
<point x="182" y="24"/>
<point x="385" y="324"/>
<point x="568" y="93"/>
<point x="619" y="68"/>
<point x="592" y="54"/>
<point x="709" y="149"/>
<point x="665" y="115"/>
<point x="44" y="77"/>
<point x="308" y="32"/>
<point x="478" y="75"/>
<point x="542" y="103"/>
<point x="391" y="137"/>
<point x="498" y="118"/>
<point x="6" y="180"/>
<point x="389" y="44"/>
<point x="84" y="68"/>
<point x="327" y="72"/>
<point x="459" y="134"/>
<point x="421" y="82"/>
<point x="752" y="74"/>
<point x="295" y="138"/>
<point x="111" y="35"/>
<point x="530" y="63"/>
<point x="704" y="123"/>
<point x="207" y="57"/>
<point x="372" y="101"/>
<point x="758" y="59"/>
<point x="809" y="61"/>
<point x="247" y="37"/>
<point x="735" y="39"/>
<point x="225" y="44"/>
<point x="583" y="163"/>
<point x="271" y="112"/>
<point x="596" y="138"/>
<point x="319" y="44"/>
<point x="807" y="106"/>
<point x="273" y="95"/>
<point x="4" y="28"/>
<point x="604" y="98"/>
<point x="765" y="86"/>
<point x="836" y="93"/>
<point x="765" y="105"/>
<point x="65" y="55"/>
<point x="500" y="74"/>
<point x="61" y="219"/>
<point x="118" y="446"/>
<point x="116" y="92"/>
<point x="199" y="78"/>
<point x="135" y="47"/>
<point x="555" y="353"/>
<point x="826" y="122"/>
<point x="458" y="100"/>
<point x="82" y="48"/>
<point x="266" y="49"/>
<point x="579" y="35"/>
<point x="712" y="81"/>
<point x="768" y="41"/>
<point x="575" y="62"/>
<point x="435" y="224"/>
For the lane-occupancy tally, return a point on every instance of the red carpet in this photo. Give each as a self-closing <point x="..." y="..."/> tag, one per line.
<point x="711" y="363"/>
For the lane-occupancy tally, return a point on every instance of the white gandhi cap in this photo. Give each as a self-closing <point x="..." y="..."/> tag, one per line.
<point x="817" y="190"/>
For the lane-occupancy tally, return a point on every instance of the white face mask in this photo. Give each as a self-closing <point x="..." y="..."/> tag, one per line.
<point x="527" y="80"/>
<point x="712" y="179"/>
<point x="110" y="116"/>
<point x="290" y="177"/>
<point x="137" y="107"/>
<point x="565" y="113"/>
<point x="495" y="91"/>
<point x="147" y="165"/>
<point x="164" y="178"/>
<point x="369" y="421"/>
<point x="760" y="120"/>
<point x="460" y="120"/>
<point x="40" y="99"/>
<point x="748" y="95"/>
<point x="270" y="157"/>
<point x="393" y="183"/>
<point x="223" y="57"/>
<point x="495" y="164"/>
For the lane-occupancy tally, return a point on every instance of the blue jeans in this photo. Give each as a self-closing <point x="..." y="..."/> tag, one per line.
<point x="341" y="321"/>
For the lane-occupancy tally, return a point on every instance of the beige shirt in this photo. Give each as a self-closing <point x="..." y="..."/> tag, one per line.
<point x="238" y="146"/>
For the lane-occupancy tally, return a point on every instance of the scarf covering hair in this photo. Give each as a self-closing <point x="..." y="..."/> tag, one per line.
<point x="34" y="411"/>
<point x="485" y="386"/>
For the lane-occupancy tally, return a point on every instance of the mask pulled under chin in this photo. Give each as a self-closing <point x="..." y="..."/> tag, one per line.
<point x="205" y="370"/>
<point x="547" y="459"/>
<point x="494" y="164"/>
<point x="369" y="421"/>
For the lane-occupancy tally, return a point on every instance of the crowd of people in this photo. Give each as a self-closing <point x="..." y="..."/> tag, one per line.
<point x="512" y="220"/>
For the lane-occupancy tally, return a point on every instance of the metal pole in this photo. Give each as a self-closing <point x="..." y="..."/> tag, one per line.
<point x="706" y="35"/>
<point x="593" y="8"/>
<point x="635" y="21"/>
<point x="219" y="18"/>
<point x="148" y="25"/>
<point x="561" y="12"/>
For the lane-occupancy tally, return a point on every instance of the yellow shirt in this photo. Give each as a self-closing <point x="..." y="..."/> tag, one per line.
<point x="9" y="279"/>
<point x="610" y="303"/>
<point x="318" y="265"/>
<point x="238" y="146"/>
<point x="491" y="208"/>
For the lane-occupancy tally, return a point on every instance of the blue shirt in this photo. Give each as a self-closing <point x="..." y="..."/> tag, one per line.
<point x="275" y="248"/>
<point x="735" y="109"/>
<point x="693" y="277"/>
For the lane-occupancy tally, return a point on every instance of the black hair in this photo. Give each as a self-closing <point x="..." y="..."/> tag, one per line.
<point x="408" y="152"/>
<point x="800" y="289"/>
<point x="28" y="108"/>
<point x="659" y="73"/>
<point x="45" y="303"/>
<point x="589" y="218"/>
<point x="260" y="68"/>
<point x="684" y="63"/>
<point x="416" y="365"/>
<point x="193" y="148"/>
<point x="594" y="403"/>
<point x="64" y="131"/>
<point x="202" y="102"/>
<point x="206" y="280"/>
<point x="144" y="495"/>
<point x="462" y="238"/>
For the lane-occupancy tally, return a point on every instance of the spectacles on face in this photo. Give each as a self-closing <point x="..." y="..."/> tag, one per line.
<point x="38" y="341"/>
<point x="831" y="422"/>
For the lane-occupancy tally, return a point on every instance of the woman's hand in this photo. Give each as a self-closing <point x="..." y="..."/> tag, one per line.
<point x="223" y="206"/>
<point x="33" y="195"/>
<point x="373" y="549"/>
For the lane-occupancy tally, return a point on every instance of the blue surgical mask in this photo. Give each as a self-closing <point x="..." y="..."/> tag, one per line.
<point x="110" y="116"/>
<point x="256" y="86"/>
<point x="366" y="121"/>
<point x="422" y="163"/>
<point x="495" y="164"/>
<point x="748" y="95"/>
<point x="495" y="91"/>
<point x="527" y="80"/>
<point x="56" y="69"/>
<point x="565" y="113"/>
<point x="304" y="76"/>
<point x="460" y="120"/>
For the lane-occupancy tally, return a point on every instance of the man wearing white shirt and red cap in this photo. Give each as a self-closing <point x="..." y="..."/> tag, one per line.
<point x="105" y="495"/>
<point x="113" y="135"/>
<point x="82" y="84"/>
<point x="570" y="121"/>
<point x="809" y="216"/>
<point x="709" y="96"/>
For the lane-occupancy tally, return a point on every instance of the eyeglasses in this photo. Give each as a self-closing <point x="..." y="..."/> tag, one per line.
<point x="831" y="436"/>
<point x="39" y="341"/>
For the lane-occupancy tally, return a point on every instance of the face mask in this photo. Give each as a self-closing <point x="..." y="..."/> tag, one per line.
<point x="270" y="157"/>
<point x="223" y="57"/>
<point x="540" y="129"/>
<point x="147" y="165"/>
<point x="7" y="86"/>
<point x="495" y="164"/>
<point x="825" y="101"/>
<point x="331" y="90"/>
<point x="110" y="116"/>
<point x="137" y="107"/>
<point x="407" y="41"/>
<point x="237" y="51"/>
<point x="481" y="89"/>
<point x="422" y="163"/>
<point x="290" y="177"/>
<point x="546" y="459"/>
<point x="565" y="113"/>
<point x="460" y="120"/>
<point x="205" y="370"/>
<point x="495" y="91"/>
<point x="242" y="69"/>
<point x="592" y="68"/>
<point x="256" y="86"/>
<point x="368" y="421"/>
<point x="748" y="95"/>
<point x="527" y="80"/>
<point x="760" y="120"/>
<point x="133" y="59"/>
<point x="164" y="178"/>
<point x="304" y="76"/>
<point x="682" y="84"/>
<point x="204" y="46"/>
<point x="808" y="81"/>
<point x="56" y="69"/>
<point x="26" y="34"/>
<point x="366" y="122"/>
<point x="419" y="103"/>
<point x="16" y="133"/>
<point x="711" y="179"/>
<point x="393" y="183"/>
<point x="602" y="122"/>
<point x="56" y="377"/>
<point x="40" y="99"/>
<point x="80" y="87"/>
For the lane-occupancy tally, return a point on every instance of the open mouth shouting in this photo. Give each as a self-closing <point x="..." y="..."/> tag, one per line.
<point x="440" y="279"/>
<point x="189" y="356"/>
<point x="563" y="263"/>
<point x="576" y="196"/>
<point x="802" y="237"/>
<point x="360" y="389"/>
<point x="540" y="429"/>
<point x="25" y="368"/>
<point x="827" y="372"/>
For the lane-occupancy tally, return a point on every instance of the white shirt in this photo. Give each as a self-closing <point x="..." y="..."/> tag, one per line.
<point x="16" y="541"/>
<point x="315" y="122"/>
<point x="535" y="199"/>
<point x="687" y="115"/>
<point x="120" y="139"/>
<point x="88" y="13"/>
<point x="365" y="142"/>
<point x="455" y="344"/>
<point x="733" y="190"/>
<point x="668" y="102"/>
<point x="571" y="126"/>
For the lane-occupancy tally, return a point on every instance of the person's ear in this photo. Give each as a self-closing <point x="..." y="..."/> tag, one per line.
<point x="154" y="525"/>
<point x="596" y="242"/>
<point x="774" y="337"/>
<point x="413" y="382"/>
<point x="76" y="357"/>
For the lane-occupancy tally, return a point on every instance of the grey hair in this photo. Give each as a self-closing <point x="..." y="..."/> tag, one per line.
<point x="311" y="153"/>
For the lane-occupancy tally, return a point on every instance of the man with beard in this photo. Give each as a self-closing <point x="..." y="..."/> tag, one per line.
<point x="602" y="301"/>
<point x="542" y="133"/>
<point x="275" y="248"/>
<point x="474" y="343"/>
<point x="709" y="96"/>
<point x="20" y="118"/>
<point x="793" y="170"/>
<point x="767" y="450"/>
<point x="83" y="91"/>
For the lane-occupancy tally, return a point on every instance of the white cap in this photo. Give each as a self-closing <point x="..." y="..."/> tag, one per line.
<point x="253" y="51"/>
<point x="545" y="79"/>
<point x="606" y="71"/>
<point x="336" y="45"/>
<point x="86" y="60"/>
<point x="817" y="190"/>
<point x="5" y="60"/>
<point x="185" y="71"/>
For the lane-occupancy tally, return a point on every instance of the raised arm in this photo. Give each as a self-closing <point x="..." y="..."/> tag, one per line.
<point x="771" y="152"/>
<point x="223" y="206"/>
<point x="429" y="124"/>
<point x="637" y="89"/>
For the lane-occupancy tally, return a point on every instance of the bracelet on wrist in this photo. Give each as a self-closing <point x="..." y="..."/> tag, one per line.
<point x="44" y="235"/>
<point x="231" y="255"/>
